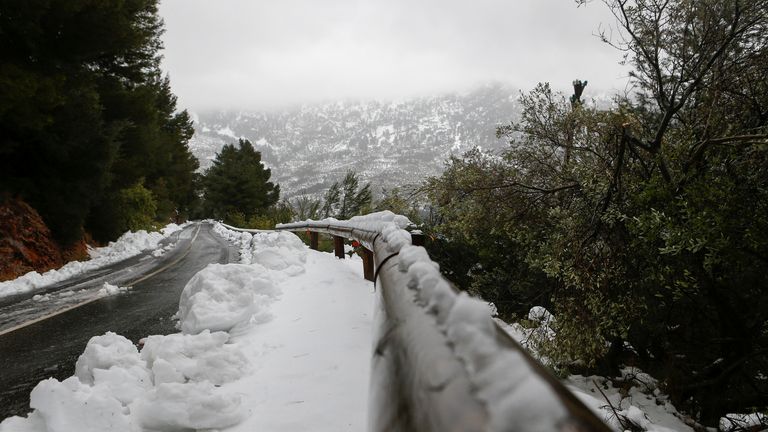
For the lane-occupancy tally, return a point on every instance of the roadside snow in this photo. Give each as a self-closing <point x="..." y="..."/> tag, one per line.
<point x="222" y="297"/>
<point x="279" y="343"/>
<point x="282" y="342"/>
<point x="639" y="402"/>
<point x="128" y="245"/>
<point x="108" y="290"/>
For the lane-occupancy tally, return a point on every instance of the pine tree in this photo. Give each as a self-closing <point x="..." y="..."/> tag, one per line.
<point x="344" y="200"/>
<point x="86" y="114"/>
<point x="237" y="185"/>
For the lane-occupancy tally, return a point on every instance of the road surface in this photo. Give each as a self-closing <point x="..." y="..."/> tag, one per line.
<point x="44" y="339"/>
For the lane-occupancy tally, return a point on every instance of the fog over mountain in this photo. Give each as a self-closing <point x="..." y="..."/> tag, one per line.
<point x="243" y="54"/>
<point x="390" y="144"/>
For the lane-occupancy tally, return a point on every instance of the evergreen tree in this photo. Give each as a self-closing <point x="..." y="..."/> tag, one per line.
<point x="85" y="114"/>
<point x="345" y="200"/>
<point x="237" y="185"/>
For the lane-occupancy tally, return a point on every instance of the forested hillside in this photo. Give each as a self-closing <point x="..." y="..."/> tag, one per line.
<point x="90" y="134"/>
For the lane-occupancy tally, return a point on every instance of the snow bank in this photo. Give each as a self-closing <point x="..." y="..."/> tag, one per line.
<point x="175" y="382"/>
<point x="275" y="250"/>
<point x="205" y="356"/>
<point x="169" y="385"/>
<point x="224" y="296"/>
<point x="128" y="245"/>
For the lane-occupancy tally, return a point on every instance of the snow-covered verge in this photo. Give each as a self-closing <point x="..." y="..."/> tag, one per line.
<point x="510" y="390"/>
<point x="634" y="400"/>
<point x="128" y="245"/>
<point x="250" y="355"/>
<point x="282" y="342"/>
<point x="637" y="403"/>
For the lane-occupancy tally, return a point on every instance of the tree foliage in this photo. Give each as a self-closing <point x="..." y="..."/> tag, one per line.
<point x="346" y="199"/>
<point x="85" y="112"/>
<point x="237" y="187"/>
<point x="398" y="202"/>
<point x="644" y="223"/>
<point x="136" y="208"/>
<point x="305" y="207"/>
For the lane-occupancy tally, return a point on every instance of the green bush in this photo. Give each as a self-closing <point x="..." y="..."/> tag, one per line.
<point x="136" y="208"/>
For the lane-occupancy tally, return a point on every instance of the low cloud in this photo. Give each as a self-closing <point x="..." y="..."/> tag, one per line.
<point x="245" y="54"/>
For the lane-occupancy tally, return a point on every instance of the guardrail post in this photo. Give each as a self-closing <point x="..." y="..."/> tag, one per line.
<point x="313" y="240"/>
<point x="367" y="264"/>
<point x="417" y="238"/>
<point x="338" y="246"/>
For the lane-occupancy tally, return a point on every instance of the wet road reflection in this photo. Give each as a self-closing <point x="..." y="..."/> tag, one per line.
<point x="50" y="347"/>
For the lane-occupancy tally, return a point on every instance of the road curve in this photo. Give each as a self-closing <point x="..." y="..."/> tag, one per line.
<point x="43" y="339"/>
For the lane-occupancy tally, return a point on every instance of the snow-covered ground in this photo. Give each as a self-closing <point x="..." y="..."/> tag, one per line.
<point x="638" y="403"/>
<point x="279" y="342"/>
<point x="128" y="245"/>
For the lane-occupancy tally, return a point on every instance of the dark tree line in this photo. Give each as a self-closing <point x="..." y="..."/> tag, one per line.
<point x="87" y="121"/>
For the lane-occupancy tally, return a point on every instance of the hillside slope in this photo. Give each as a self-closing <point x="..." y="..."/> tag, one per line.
<point x="389" y="144"/>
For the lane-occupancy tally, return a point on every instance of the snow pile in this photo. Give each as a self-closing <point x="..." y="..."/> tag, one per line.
<point x="240" y="239"/>
<point x="281" y="251"/>
<point x="226" y="296"/>
<point x="204" y="356"/>
<point x="170" y="385"/>
<point x="108" y="289"/>
<point x="275" y="250"/>
<point x="128" y="245"/>
<point x="41" y="298"/>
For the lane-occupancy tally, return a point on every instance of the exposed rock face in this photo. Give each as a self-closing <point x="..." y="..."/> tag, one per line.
<point x="26" y="243"/>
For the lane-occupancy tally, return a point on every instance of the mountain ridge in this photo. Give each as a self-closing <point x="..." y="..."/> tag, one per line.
<point x="389" y="144"/>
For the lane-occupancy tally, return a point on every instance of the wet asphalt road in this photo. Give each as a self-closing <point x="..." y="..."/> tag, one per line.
<point x="51" y="346"/>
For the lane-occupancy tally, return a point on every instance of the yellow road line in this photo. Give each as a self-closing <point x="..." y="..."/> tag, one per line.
<point x="93" y="299"/>
<point x="166" y="267"/>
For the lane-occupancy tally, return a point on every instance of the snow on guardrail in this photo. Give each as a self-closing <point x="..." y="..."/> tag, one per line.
<point x="516" y="393"/>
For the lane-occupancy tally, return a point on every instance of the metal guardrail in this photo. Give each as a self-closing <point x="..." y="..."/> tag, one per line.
<point x="418" y="382"/>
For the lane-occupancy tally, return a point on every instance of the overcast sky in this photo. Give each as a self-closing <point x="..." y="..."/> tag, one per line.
<point x="267" y="53"/>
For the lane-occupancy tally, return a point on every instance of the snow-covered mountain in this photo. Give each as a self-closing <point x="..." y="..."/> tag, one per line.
<point x="389" y="144"/>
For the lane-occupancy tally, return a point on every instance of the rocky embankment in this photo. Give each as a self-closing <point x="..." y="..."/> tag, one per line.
<point x="26" y="243"/>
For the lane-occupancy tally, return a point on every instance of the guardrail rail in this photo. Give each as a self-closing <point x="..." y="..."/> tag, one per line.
<point x="440" y="362"/>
